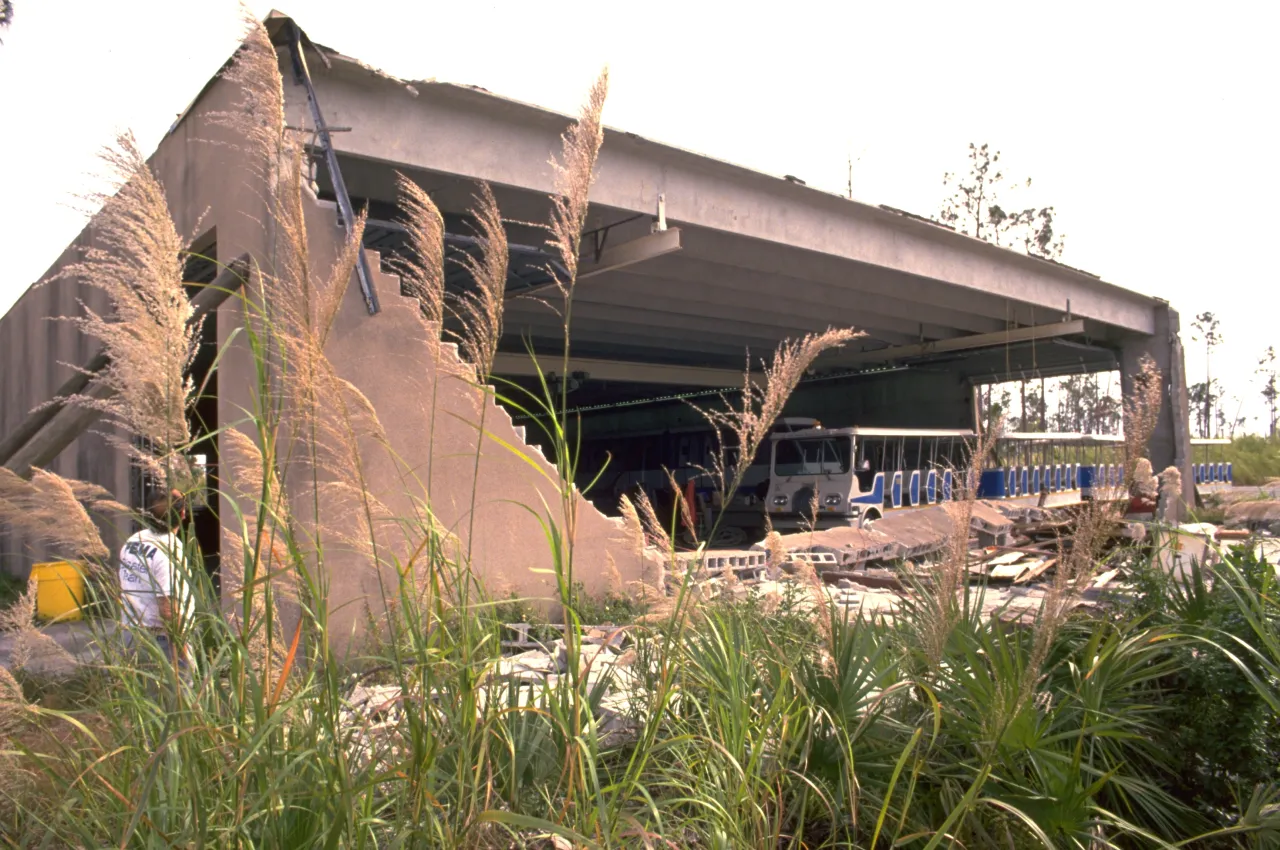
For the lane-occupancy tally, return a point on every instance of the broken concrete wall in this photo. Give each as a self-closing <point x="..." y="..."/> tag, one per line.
<point x="431" y="411"/>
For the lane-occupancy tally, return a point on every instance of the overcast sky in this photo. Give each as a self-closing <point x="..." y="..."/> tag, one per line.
<point x="1150" y="127"/>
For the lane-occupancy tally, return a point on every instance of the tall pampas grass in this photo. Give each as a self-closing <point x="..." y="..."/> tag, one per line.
<point x="148" y="334"/>
<point x="47" y="511"/>
<point x="941" y="602"/>
<point x="422" y="269"/>
<point x="1097" y="520"/>
<point x="574" y="172"/>
<point x="761" y="405"/>
<point x="1141" y="408"/>
<point x="12" y="704"/>
<point x="19" y="622"/>
<point x="14" y="777"/>
<point x="258" y="117"/>
<point x="479" y="308"/>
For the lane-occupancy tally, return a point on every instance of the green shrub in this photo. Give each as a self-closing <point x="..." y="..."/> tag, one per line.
<point x="1223" y="732"/>
<point x="1255" y="460"/>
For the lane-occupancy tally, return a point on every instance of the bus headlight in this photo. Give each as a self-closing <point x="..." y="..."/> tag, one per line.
<point x="833" y="500"/>
<point x="780" y="500"/>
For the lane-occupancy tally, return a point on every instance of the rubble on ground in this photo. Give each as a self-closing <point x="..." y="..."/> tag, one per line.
<point x="1012" y="556"/>
<point x="1254" y="516"/>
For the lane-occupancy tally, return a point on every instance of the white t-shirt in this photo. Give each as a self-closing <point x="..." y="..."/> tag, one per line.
<point x="151" y="566"/>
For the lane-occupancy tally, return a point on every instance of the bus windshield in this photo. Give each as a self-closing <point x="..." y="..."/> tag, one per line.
<point x="815" y="456"/>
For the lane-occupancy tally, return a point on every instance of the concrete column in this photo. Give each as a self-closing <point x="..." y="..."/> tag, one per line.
<point x="1171" y="441"/>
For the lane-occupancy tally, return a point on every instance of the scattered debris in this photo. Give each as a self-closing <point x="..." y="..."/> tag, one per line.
<point x="1012" y="554"/>
<point x="1255" y="516"/>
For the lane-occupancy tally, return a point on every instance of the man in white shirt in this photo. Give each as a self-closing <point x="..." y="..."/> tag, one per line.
<point x="153" y="585"/>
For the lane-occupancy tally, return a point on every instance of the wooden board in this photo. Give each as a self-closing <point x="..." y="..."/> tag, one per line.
<point x="1008" y="572"/>
<point x="1035" y="570"/>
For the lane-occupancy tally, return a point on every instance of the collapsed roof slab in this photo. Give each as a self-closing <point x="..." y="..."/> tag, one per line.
<point x="466" y="132"/>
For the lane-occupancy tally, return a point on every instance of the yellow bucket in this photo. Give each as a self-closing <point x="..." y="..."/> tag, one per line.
<point x="59" y="590"/>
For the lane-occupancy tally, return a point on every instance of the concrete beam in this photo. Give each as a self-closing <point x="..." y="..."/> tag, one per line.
<point x="724" y="293"/>
<point x="965" y="343"/>
<point x="837" y="275"/>
<point x="675" y="329"/>
<point x="629" y="253"/>
<point x="854" y="293"/>
<point x="449" y="129"/>
<point x="723" y="305"/>
<point x="619" y="257"/>
<point x="550" y="333"/>
<point x="510" y="365"/>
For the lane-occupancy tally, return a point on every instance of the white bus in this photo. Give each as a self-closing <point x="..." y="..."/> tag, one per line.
<point x="829" y="478"/>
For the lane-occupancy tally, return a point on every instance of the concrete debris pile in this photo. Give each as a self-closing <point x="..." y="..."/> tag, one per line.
<point x="1005" y="544"/>
<point x="1254" y="516"/>
<point x="907" y="535"/>
<point x="374" y="714"/>
<point x="742" y="563"/>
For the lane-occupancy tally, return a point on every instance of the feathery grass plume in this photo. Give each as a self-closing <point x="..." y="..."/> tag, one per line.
<point x="95" y="497"/>
<point x="45" y="511"/>
<point x="940" y="602"/>
<point x="14" y="779"/>
<point x="1170" y="493"/>
<point x="1141" y="409"/>
<point x="574" y="173"/>
<point x="254" y="479"/>
<point x="480" y="308"/>
<point x="683" y="511"/>
<point x="149" y="334"/>
<point x="19" y="620"/>
<point x="653" y="529"/>
<point x="258" y="116"/>
<point x="1096" y="521"/>
<point x="422" y="270"/>
<point x="1143" y="484"/>
<point x="777" y="551"/>
<point x="264" y="641"/>
<point x="633" y="528"/>
<point x="12" y="704"/>
<point x="761" y="406"/>
<point x="249" y="476"/>
<point x="1075" y="569"/>
<point x="613" y="578"/>
<point x="328" y="413"/>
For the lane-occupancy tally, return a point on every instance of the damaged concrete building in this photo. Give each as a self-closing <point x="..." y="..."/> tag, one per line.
<point x="691" y="264"/>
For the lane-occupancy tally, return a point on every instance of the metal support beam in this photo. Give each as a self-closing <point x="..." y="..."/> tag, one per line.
<point x="303" y="76"/>
<point x="47" y="431"/>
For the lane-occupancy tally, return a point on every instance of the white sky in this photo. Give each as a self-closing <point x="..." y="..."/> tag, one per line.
<point x="1150" y="127"/>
